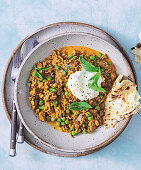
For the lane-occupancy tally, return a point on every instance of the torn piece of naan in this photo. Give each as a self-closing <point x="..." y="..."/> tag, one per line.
<point x="137" y="51"/>
<point x="122" y="101"/>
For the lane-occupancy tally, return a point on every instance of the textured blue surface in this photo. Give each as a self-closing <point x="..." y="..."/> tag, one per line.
<point x="121" y="19"/>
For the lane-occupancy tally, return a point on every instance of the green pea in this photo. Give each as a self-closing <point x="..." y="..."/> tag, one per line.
<point x="41" y="107"/>
<point x="57" y="124"/>
<point x="51" y="89"/>
<point x="83" y="125"/>
<point x="99" y="55"/>
<point x="48" y="118"/>
<point x="53" y="119"/>
<point x="49" y="78"/>
<point x="75" y="114"/>
<point x="55" y="102"/>
<point x="74" y="58"/>
<point x="97" y="108"/>
<point x="67" y="111"/>
<point x="73" y="133"/>
<point x="63" y="119"/>
<point x="92" y="57"/>
<point x="44" y="80"/>
<point x="88" y="114"/>
<point x="66" y="93"/>
<point x="107" y="74"/>
<point x="38" y="81"/>
<point x="54" y="90"/>
<point x="109" y="63"/>
<point x="84" y="131"/>
<point x="57" y="67"/>
<point x="64" y="72"/>
<point x="67" y="84"/>
<point x="101" y="96"/>
<point x="28" y="84"/>
<point x="67" y="122"/>
<point x="58" y="120"/>
<point x="63" y="123"/>
<point x="69" y="56"/>
<point x="41" y="102"/>
<point x="90" y="118"/>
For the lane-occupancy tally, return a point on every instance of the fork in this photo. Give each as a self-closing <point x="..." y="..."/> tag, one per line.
<point x="16" y="64"/>
<point x="25" y="49"/>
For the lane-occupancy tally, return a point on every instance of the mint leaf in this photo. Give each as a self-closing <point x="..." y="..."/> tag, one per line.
<point x="78" y="106"/>
<point x="95" y="78"/>
<point x="87" y="66"/>
<point x="97" y="88"/>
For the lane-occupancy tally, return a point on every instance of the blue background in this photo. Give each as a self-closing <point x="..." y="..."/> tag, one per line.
<point x="121" y="19"/>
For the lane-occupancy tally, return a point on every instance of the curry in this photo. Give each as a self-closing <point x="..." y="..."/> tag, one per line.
<point x="51" y="98"/>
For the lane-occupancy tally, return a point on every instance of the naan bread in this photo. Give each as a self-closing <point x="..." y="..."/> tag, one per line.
<point x="121" y="102"/>
<point x="137" y="51"/>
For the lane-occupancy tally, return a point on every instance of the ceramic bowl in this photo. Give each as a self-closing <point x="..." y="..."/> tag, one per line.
<point x="41" y="130"/>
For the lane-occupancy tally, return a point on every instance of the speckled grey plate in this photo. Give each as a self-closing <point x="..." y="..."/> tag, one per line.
<point x="42" y="131"/>
<point x="41" y="35"/>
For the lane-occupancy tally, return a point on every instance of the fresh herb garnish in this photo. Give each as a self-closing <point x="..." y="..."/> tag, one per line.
<point x="78" y="106"/>
<point x="97" y="88"/>
<point x="36" y="73"/>
<point x="87" y="66"/>
<point x="90" y="68"/>
<point x="39" y="75"/>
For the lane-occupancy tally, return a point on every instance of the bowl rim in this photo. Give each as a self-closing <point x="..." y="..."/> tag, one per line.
<point x="37" y="31"/>
<point x="106" y="142"/>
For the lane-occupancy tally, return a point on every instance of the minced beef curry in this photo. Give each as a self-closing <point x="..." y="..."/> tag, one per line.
<point x="50" y="96"/>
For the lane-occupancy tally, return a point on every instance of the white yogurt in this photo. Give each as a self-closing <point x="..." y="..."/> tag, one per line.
<point x="78" y="84"/>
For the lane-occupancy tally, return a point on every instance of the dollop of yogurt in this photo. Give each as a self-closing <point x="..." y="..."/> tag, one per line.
<point x="78" y="84"/>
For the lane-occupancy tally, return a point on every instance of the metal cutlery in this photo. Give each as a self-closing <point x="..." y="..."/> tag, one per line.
<point x="17" y="60"/>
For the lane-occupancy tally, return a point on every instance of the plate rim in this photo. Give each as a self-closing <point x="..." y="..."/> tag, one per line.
<point x="52" y="25"/>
